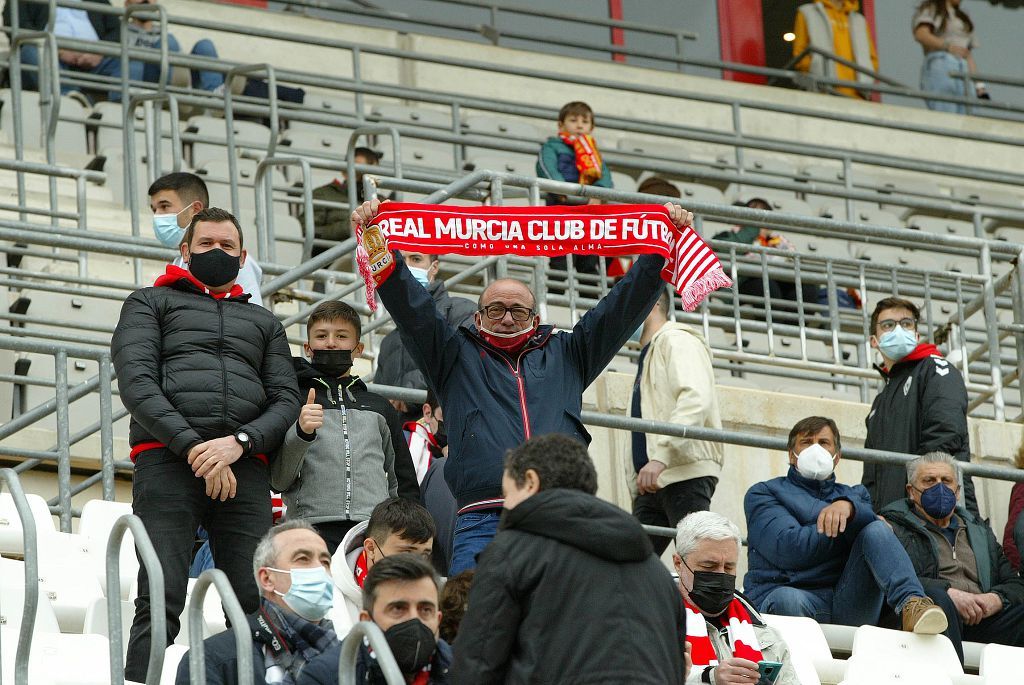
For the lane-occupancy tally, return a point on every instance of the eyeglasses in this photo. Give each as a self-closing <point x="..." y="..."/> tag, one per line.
<point x="496" y="312"/>
<point x="906" y="324"/>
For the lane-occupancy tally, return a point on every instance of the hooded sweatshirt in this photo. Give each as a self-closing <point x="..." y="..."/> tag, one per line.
<point x="570" y="591"/>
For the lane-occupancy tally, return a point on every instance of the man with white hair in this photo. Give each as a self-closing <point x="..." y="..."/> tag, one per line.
<point x="727" y="636"/>
<point x="956" y="556"/>
<point x="293" y="571"/>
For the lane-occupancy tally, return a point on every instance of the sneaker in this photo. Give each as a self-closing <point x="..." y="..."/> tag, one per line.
<point x="922" y="616"/>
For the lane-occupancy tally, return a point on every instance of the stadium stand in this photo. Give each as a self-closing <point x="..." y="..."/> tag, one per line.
<point x="867" y="203"/>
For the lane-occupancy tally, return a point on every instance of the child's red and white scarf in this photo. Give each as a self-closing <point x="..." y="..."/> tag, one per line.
<point x="611" y="230"/>
<point x="739" y="629"/>
<point x="588" y="159"/>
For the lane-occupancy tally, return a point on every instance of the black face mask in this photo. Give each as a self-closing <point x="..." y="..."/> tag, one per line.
<point x="712" y="591"/>
<point x="333" y="363"/>
<point x="213" y="268"/>
<point x="440" y="435"/>
<point x="412" y="643"/>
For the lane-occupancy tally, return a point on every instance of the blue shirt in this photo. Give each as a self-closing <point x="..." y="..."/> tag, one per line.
<point x="72" y="23"/>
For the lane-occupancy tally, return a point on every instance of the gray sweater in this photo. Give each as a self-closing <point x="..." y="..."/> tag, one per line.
<point x="343" y="472"/>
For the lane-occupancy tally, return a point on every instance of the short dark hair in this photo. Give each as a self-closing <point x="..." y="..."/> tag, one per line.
<point x="432" y="400"/>
<point x="893" y="303"/>
<point x="575" y="108"/>
<point x="335" y="311"/>
<point x="215" y="215"/>
<point x="656" y="185"/>
<point x="811" y="425"/>
<point x="189" y="187"/>
<point x="403" y="568"/>
<point x="454" y="602"/>
<point x="558" y="460"/>
<point x="404" y="518"/>
<point x="368" y="153"/>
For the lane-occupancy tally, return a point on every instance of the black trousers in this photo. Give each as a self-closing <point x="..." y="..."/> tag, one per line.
<point x="333" y="532"/>
<point x="172" y="504"/>
<point x="672" y="503"/>
<point x="1004" y="628"/>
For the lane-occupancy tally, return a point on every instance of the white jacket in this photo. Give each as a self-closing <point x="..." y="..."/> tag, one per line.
<point x="349" y="601"/>
<point x="678" y="386"/>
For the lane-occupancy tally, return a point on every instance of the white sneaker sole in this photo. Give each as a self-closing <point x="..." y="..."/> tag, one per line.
<point x="932" y="622"/>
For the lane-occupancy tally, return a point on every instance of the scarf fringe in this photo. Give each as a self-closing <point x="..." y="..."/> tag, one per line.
<point x="363" y="262"/>
<point x="696" y="291"/>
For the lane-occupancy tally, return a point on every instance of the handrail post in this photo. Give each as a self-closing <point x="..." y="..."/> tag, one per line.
<point x="239" y="626"/>
<point x="106" y="426"/>
<point x="229" y="120"/>
<point x="265" y="236"/>
<point x="157" y="603"/>
<point x="378" y="643"/>
<point x="129" y="106"/>
<point x="31" y="602"/>
<point x="350" y="162"/>
<point x="63" y="439"/>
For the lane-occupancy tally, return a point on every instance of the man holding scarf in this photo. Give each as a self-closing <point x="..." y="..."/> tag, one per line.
<point x="293" y="570"/>
<point x="727" y="636"/>
<point x="506" y="377"/>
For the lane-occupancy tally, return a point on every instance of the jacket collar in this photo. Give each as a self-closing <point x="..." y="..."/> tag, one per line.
<point x="181" y="279"/>
<point x="819" y="489"/>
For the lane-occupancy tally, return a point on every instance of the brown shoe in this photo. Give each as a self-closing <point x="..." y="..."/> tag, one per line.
<point x="922" y="616"/>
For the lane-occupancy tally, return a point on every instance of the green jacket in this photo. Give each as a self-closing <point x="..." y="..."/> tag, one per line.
<point x="995" y="574"/>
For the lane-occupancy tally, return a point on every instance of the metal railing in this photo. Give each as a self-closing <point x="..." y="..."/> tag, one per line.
<point x="31" y="602"/>
<point x="239" y="626"/>
<point x="367" y="630"/>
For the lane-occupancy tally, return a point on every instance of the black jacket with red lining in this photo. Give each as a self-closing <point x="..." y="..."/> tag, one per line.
<point x="193" y="366"/>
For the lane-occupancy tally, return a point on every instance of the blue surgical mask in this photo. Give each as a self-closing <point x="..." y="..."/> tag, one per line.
<point x="938" y="501"/>
<point x="420" y="275"/>
<point x="311" y="595"/>
<point x="897" y="343"/>
<point x="167" y="230"/>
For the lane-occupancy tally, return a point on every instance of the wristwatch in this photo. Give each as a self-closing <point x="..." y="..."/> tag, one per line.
<point x="242" y="438"/>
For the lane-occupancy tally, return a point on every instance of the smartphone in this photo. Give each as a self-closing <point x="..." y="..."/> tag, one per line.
<point x="769" y="671"/>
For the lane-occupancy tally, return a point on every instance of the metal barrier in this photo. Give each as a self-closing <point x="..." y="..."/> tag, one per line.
<point x="157" y="603"/>
<point x="239" y="626"/>
<point x="367" y="630"/>
<point x="31" y="604"/>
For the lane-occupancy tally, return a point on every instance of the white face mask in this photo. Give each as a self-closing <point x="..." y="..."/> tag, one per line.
<point x="815" y="463"/>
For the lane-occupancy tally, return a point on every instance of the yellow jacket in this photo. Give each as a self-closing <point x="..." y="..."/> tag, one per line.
<point x="842" y="43"/>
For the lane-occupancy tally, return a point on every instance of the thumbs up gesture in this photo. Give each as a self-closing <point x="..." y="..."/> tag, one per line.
<point x="311" y="416"/>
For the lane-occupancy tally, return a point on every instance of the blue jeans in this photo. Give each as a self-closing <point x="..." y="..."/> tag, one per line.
<point x="108" y="66"/>
<point x="473" y="532"/>
<point x="878" y="570"/>
<point x="203" y="80"/>
<point x="935" y="78"/>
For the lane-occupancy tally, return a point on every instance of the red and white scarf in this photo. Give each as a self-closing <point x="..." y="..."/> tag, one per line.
<point x="739" y="629"/>
<point x="611" y="230"/>
<point x="588" y="159"/>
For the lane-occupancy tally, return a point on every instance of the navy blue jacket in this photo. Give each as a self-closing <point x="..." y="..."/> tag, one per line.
<point x="323" y="670"/>
<point x="784" y="545"/>
<point x="493" y="401"/>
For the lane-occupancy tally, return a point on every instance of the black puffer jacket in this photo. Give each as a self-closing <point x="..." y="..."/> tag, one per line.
<point x="192" y="367"/>
<point x="570" y="592"/>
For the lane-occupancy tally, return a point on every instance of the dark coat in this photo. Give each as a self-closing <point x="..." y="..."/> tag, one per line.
<point x="191" y="367"/>
<point x="323" y="670"/>
<point x="570" y="592"/>
<point x="783" y="542"/>
<point x="921" y="409"/>
<point x="995" y="574"/>
<point x="395" y="365"/>
<point x="492" y="401"/>
<point x="33" y="17"/>
<point x="1014" y="522"/>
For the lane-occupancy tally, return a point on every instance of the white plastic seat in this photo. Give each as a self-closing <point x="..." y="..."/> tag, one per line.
<point x="247" y="134"/>
<point x="780" y="200"/>
<point x="98" y="518"/>
<point x="762" y="165"/>
<point x="172" y="658"/>
<point x="940" y="225"/>
<point x="700" y="193"/>
<point x="875" y="670"/>
<point x="508" y="162"/>
<point x="107" y="118"/>
<point x="862" y="214"/>
<point x="114" y="168"/>
<point x="976" y="196"/>
<point x="623" y="182"/>
<point x="647" y="148"/>
<point x="12" y="532"/>
<point x="880" y="645"/>
<point x="428" y="154"/>
<point x="70" y="136"/>
<point x="213" y="615"/>
<point x="417" y="116"/>
<point x="812" y="659"/>
<point x="62" y="559"/>
<point x="60" y="659"/>
<point x="12" y="598"/>
<point x="1001" y="663"/>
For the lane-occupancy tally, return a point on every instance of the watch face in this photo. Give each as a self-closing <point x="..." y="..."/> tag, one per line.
<point x="243" y="437"/>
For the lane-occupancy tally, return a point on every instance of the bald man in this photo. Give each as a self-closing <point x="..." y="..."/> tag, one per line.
<point x="507" y="377"/>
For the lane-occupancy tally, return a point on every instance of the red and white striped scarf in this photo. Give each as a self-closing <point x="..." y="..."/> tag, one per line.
<point x="739" y="629"/>
<point x="588" y="159"/>
<point x="610" y="230"/>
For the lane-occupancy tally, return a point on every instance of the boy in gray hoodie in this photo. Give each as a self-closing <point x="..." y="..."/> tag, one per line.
<point x="346" y="452"/>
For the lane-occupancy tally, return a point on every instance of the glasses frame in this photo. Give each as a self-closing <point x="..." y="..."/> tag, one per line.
<point x="888" y="325"/>
<point x="530" y="313"/>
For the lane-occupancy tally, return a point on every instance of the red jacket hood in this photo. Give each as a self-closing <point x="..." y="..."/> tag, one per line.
<point x="175" y="275"/>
